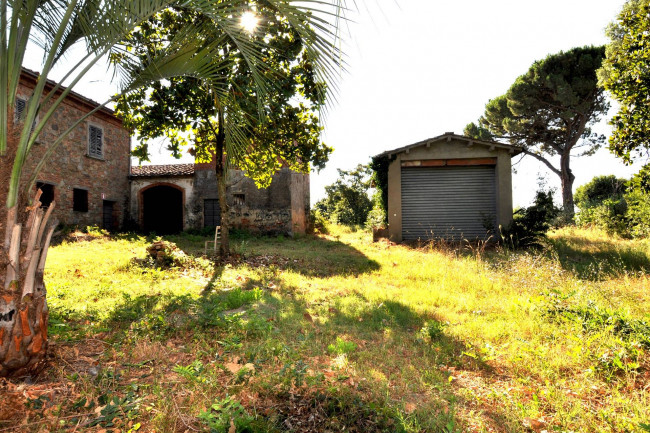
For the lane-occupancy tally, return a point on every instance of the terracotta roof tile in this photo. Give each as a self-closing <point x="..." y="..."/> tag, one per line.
<point x="162" y="170"/>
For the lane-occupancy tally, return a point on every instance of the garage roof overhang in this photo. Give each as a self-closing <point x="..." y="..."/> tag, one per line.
<point x="449" y="136"/>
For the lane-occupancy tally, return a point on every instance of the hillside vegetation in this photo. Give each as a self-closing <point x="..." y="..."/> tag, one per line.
<point x="336" y="333"/>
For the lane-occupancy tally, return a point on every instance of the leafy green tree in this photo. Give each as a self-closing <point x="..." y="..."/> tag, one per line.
<point x="625" y="74"/>
<point x="100" y="27"/>
<point x="187" y="111"/>
<point x="549" y="112"/>
<point x="479" y="132"/>
<point x="347" y="201"/>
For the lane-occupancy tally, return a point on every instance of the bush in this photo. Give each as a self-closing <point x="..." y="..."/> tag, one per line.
<point x="608" y="215"/>
<point x="318" y="222"/>
<point x="379" y="166"/>
<point x="599" y="189"/>
<point x="376" y="218"/>
<point x="602" y="204"/>
<point x="638" y="204"/>
<point x="619" y="207"/>
<point x="529" y="225"/>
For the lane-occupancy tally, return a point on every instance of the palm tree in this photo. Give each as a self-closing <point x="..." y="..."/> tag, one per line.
<point x="101" y="27"/>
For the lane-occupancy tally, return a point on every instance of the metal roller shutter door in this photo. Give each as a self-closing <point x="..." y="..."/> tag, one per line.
<point x="447" y="202"/>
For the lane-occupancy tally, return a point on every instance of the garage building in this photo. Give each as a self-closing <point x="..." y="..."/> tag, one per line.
<point x="449" y="187"/>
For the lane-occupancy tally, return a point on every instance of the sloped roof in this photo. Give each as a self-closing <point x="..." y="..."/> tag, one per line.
<point x="451" y="136"/>
<point x="32" y="76"/>
<point x="162" y="170"/>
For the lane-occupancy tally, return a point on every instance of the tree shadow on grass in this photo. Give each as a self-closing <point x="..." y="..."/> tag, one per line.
<point x="419" y="342"/>
<point x="597" y="260"/>
<point x="267" y="327"/>
<point x="310" y="256"/>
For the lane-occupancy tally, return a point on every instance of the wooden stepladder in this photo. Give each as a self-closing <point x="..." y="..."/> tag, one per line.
<point x="216" y="242"/>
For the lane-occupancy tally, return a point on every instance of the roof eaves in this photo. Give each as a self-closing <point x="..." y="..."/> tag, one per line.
<point x="163" y="170"/>
<point x="74" y="95"/>
<point x="450" y="136"/>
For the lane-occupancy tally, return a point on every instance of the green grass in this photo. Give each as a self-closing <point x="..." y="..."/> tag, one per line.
<point x="336" y="332"/>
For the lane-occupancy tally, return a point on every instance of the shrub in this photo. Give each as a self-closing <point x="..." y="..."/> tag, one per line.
<point x="318" y="222"/>
<point x="379" y="166"/>
<point x="602" y="204"/>
<point x="599" y="189"/>
<point x="609" y="215"/>
<point x="638" y="203"/>
<point x="616" y="206"/>
<point x="376" y="218"/>
<point x="529" y="225"/>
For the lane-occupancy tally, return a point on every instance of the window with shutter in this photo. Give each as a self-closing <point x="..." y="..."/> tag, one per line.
<point x="20" y="108"/>
<point x="19" y="112"/>
<point x="95" y="141"/>
<point x="211" y="213"/>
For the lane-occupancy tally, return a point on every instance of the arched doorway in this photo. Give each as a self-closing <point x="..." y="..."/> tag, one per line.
<point x="162" y="209"/>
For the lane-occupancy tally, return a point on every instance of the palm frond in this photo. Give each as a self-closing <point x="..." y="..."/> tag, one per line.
<point x="102" y="26"/>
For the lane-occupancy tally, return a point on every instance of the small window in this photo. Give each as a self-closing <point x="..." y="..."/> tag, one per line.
<point x="21" y="104"/>
<point x="95" y="141"/>
<point x="47" y="196"/>
<point x="80" y="200"/>
<point x="239" y="199"/>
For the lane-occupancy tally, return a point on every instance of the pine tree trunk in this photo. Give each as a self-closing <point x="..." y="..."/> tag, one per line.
<point x="567" y="177"/>
<point x="23" y="305"/>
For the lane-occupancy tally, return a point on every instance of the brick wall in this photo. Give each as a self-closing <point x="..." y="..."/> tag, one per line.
<point x="71" y="167"/>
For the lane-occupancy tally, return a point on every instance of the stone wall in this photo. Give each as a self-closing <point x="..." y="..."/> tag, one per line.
<point x="279" y="209"/>
<point x="70" y="166"/>
<point x="300" y="205"/>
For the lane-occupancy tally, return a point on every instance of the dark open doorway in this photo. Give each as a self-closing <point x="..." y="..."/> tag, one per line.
<point x="162" y="210"/>
<point x="109" y="220"/>
<point x="47" y="197"/>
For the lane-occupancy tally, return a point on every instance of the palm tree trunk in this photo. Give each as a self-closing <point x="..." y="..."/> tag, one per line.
<point x="23" y="305"/>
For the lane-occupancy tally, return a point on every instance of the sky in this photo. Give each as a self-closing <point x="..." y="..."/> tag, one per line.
<point x="419" y="68"/>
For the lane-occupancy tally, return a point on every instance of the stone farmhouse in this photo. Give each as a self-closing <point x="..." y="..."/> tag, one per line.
<point x="88" y="175"/>
<point x="93" y="183"/>
<point x="186" y="195"/>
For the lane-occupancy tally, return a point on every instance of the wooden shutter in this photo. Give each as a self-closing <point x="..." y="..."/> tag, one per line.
<point x="21" y="104"/>
<point x="95" y="141"/>
<point x="211" y="213"/>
